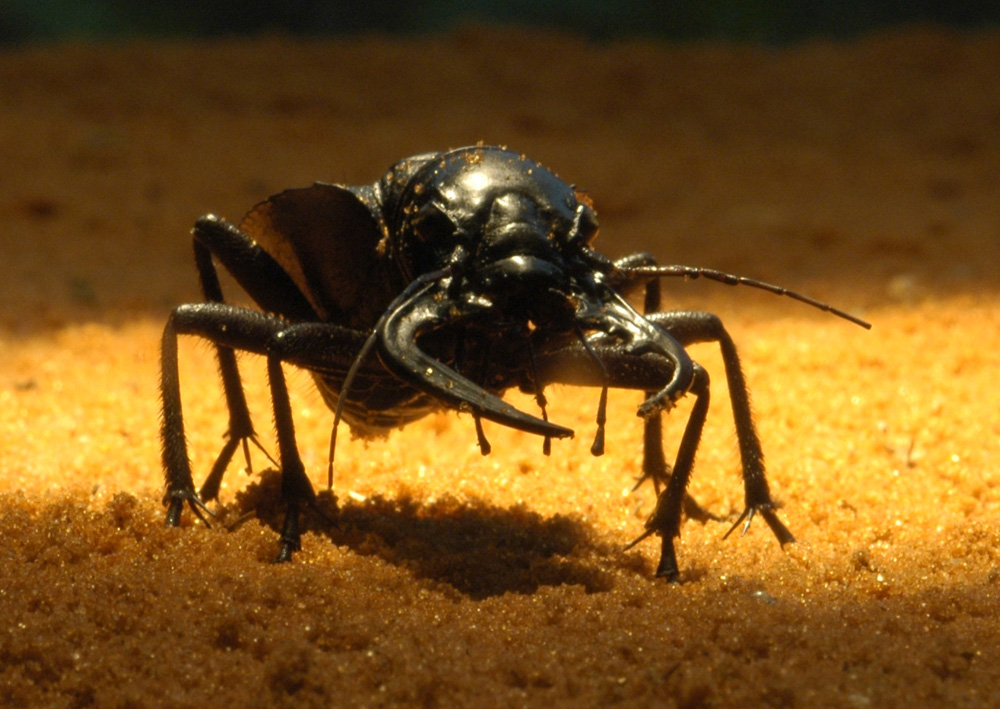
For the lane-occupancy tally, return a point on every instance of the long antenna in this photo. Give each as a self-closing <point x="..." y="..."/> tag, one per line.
<point x="692" y="272"/>
<point x="415" y="286"/>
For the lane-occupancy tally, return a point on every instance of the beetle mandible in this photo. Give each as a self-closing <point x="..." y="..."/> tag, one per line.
<point x="455" y="277"/>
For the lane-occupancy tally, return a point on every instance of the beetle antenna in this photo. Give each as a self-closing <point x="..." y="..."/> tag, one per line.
<point x="417" y="286"/>
<point x="344" y="390"/>
<point x="602" y="407"/>
<point x="692" y="272"/>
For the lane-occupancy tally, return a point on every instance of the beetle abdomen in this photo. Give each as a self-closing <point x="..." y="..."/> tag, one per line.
<point x="376" y="406"/>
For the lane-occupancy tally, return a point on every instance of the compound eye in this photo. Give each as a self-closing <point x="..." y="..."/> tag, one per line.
<point x="431" y="224"/>
<point x="585" y="224"/>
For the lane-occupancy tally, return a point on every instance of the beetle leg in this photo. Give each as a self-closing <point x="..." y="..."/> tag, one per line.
<point x="622" y="369"/>
<point x="176" y="464"/>
<point x="240" y="427"/>
<point x="692" y="327"/>
<point x="250" y="265"/>
<point x="654" y="463"/>
<point x="234" y="328"/>
<point x="617" y="317"/>
<point x="666" y="517"/>
<point x="295" y="486"/>
<point x="316" y="346"/>
<point x="228" y="327"/>
<point x="254" y="269"/>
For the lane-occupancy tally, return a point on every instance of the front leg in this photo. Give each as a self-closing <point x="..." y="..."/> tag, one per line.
<point x="666" y="518"/>
<point x="689" y="327"/>
<point x="318" y="347"/>
<point x="575" y="365"/>
<point x="295" y="486"/>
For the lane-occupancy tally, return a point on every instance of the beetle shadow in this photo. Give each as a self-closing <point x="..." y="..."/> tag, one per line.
<point x="480" y="550"/>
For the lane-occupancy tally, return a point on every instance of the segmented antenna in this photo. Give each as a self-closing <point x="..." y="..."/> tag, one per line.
<point x="692" y="272"/>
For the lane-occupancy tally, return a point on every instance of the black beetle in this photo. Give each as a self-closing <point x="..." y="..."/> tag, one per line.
<point x="468" y="272"/>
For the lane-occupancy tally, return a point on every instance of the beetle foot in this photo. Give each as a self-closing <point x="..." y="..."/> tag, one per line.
<point x="252" y="438"/>
<point x="780" y="531"/>
<point x="291" y="538"/>
<point x="667" y="568"/>
<point x="285" y="551"/>
<point x="660" y="479"/>
<point x="210" y="488"/>
<point x="175" y="501"/>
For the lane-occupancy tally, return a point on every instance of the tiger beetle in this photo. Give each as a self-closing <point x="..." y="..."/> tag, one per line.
<point x="455" y="277"/>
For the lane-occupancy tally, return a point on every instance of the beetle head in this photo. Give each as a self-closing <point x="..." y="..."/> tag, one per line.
<point x="510" y="230"/>
<point x="495" y="248"/>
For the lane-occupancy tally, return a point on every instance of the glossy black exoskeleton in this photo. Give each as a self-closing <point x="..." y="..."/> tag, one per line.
<point x="468" y="273"/>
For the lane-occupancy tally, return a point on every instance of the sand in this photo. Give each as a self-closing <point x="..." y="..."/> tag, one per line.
<point x="864" y="173"/>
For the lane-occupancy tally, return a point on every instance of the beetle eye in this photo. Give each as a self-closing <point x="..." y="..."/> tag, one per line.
<point x="432" y="224"/>
<point x="585" y="225"/>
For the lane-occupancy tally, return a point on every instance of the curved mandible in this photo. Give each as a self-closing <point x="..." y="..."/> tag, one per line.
<point x="396" y="338"/>
<point x="616" y="316"/>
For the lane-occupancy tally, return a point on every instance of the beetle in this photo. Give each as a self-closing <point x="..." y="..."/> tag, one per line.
<point x="455" y="277"/>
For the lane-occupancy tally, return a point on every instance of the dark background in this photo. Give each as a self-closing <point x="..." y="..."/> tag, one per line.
<point x="761" y="21"/>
